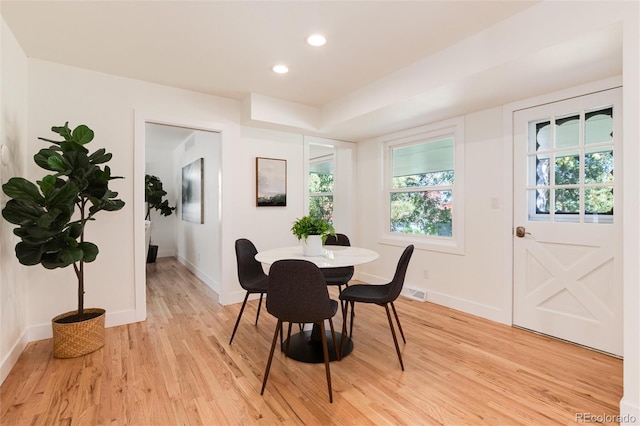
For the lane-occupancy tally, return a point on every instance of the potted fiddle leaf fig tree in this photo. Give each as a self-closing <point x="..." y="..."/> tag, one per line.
<point x="51" y="215"/>
<point x="154" y="195"/>
<point x="314" y="232"/>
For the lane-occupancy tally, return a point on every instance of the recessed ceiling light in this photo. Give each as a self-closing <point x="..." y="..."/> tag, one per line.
<point x="280" y="69"/>
<point x="316" y="40"/>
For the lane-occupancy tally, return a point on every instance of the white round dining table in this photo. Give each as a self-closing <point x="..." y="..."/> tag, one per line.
<point x="306" y="345"/>
<point x="332" y="256"/>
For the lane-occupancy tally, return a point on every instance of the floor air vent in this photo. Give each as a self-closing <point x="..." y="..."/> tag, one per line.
<point x="414" y="293"/>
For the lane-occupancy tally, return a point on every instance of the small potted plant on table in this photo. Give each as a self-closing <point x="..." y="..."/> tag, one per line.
<point x="314" y="232"/>
<point x="52" y="236"/>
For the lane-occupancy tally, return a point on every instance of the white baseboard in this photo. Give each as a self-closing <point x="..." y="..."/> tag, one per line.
<point x="166" y="253"/>
<point x="238" y="297"/>
<point x="44" y="331"/>
<point x="202" y="276"/>
<point x="12" y="357"/>
<point x="629" y="412"/>
<point x="468" y="306"/>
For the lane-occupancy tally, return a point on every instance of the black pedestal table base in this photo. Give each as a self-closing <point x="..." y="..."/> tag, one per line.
<point x="305" y="348"/>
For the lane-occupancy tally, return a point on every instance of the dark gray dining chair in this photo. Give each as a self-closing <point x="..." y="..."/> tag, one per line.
<point x="298" y="294"/>
<point x="342" y="275"/>
<point x="251" y="276"/>
<point x="380" y="294"/>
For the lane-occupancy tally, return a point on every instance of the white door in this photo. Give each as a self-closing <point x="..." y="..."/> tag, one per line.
<point x="567" y="262"/>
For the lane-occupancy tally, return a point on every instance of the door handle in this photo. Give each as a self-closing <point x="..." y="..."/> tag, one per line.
<point x="521" y="232"/>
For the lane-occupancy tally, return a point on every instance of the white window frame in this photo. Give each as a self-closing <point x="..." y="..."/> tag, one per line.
<point x="432" y="132"/>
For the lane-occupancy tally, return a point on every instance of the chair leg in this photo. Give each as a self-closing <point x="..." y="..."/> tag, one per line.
<point x="345" y="312"/>
<point x="325" y="352"/>
<point x="239" y="316"/>
<point x="286" y="349"/>
<point x="398" y="321"/>
<point x="273" y="346"/>
<point x="259" y="306"/>
<point x="335" y="342"/>
<point x="353" y="307"/>
<point x="393" y="333"/>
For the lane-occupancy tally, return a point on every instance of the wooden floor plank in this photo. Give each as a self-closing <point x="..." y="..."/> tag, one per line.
<point x="178" y="368"/>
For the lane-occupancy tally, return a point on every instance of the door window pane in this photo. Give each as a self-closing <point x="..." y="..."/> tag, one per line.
<point x="598" y="201"/>
<point x="543" y="136"/>
<point x="567" y="201"/>
<point x="567" y="131"/>
<point x="542" y="170"/>
<point x="567" y="170"/>
<point x="598" y="126"/>
<point x="598" y="166"/>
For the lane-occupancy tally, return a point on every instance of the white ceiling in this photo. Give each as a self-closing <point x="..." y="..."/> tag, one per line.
<point x="226" y="48"/>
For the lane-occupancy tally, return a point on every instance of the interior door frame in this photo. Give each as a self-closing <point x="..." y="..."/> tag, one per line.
<point x="508" y="112"/>
<point x="139" y="206"/>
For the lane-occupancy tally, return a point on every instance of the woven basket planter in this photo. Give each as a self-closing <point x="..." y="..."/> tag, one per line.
<point x="74" y="339"/>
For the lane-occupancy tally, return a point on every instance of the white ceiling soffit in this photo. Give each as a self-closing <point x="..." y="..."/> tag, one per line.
<point x="387" y="65"/>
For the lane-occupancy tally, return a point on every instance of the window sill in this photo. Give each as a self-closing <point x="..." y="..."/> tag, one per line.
<point x="440" y="245"/>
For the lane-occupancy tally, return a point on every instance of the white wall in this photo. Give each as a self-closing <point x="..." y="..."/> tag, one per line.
<point x="199" y="244"/>
<point x="107" y="104"/>
<point x="13" y="134"/>
<point x="630" y="404"/>
<point x="471" y="282"/>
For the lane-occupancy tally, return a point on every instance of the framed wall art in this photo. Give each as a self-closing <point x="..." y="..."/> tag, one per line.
<point x="192" y="192"/>
<point x="271" y="182"/>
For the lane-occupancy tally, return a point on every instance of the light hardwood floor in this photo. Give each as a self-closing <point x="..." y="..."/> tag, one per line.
<point x="178" y="368"/>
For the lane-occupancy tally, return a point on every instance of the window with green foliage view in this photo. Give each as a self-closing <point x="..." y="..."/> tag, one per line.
<point x="422" y="188"/>
<point x="321" y="189"/>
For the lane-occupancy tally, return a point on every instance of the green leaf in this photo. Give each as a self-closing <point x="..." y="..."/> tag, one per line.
<point x="45" y="220"/>
<point x="42" y="158"/>
<point x="71" y="255"/>
<point x="21" y="189"/>
<point x="90" y="251"/>
<point x="75" y="230"/>
<point x="71" y="146"/>
<point x="35" y="234"/>
<point x="64" y="213"/>
<point x="22" y="212"/>
<point x="58" y="163"/>
<point x="63" y="131"/>
<point x="29" y="254"/>
<point x="113" y="205"/>
<point x="47" y="184"/>
<point x="63" y="196"/>
<point x="100" y="156"/>
<point x="82" y="134"/>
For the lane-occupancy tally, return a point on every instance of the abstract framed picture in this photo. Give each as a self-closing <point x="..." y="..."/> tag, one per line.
<point x="192" y="192"/>
<point x="271" y="182"/>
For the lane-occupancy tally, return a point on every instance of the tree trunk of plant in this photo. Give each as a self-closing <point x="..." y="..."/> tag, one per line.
<point x="81" y="290"/>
